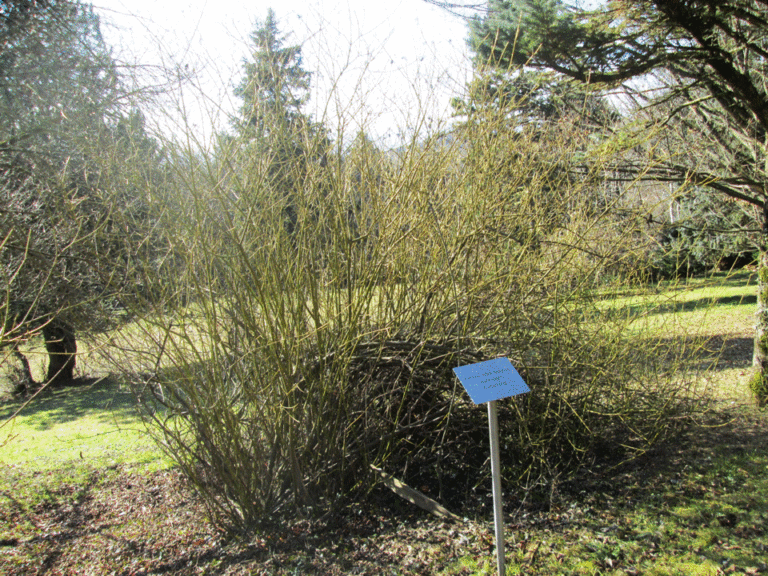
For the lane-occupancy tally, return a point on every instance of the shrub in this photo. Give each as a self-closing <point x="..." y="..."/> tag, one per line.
<point x="287" y="359"/>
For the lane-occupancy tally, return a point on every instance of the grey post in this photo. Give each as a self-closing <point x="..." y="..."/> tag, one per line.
<point x="498" y="510"/>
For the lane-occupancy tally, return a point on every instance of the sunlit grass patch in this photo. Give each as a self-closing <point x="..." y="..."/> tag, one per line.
<point x="716" y="304"/>
<point x="94" y="424"/>
<point x="673" y="568"/>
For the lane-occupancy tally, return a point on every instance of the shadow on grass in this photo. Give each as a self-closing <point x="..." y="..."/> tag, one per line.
<point x="689" y="306"/>
<point x="683" y="354"/>
<point x="720" y="279"/>
<point x="712" y="353"/>
<point x="102" y="397"/>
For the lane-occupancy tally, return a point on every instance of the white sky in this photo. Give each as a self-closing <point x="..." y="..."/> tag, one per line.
<point x="389" y="60"/>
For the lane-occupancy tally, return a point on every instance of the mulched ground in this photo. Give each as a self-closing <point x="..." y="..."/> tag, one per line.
<point x="124" y="522"/>
<point x="128" y="523"/>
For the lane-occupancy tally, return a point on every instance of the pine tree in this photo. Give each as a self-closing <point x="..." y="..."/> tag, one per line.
<point x="274" y="87"/>
<point x="272" y="126"/>
<point x="708" y="60"/>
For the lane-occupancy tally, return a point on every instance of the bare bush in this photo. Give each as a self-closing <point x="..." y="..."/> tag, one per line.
<point x="281" y="361"/>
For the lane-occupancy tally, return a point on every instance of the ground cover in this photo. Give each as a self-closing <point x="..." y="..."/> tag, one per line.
<point x="695" y="507"/>
<point x="83" y="492"/>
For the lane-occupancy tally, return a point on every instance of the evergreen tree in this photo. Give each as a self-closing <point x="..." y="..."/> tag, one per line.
<point x="709" y="60"/>
<point x="274" y="87"/>
<point x="272" y="127"/>
<point x="705" y="231"/>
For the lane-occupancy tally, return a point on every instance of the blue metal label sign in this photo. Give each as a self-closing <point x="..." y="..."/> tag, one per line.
<point x="491" y="380"/>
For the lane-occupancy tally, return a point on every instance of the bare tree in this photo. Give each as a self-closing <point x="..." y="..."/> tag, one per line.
<point x="66" y="211"/>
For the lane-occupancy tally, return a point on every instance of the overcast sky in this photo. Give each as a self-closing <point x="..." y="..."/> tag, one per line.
<point x="387" y="59"/>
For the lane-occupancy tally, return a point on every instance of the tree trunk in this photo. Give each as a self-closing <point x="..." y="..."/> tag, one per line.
<point x="758" y="383"/>
<point x="62" y="349"/>
<point x="26" y="381"/>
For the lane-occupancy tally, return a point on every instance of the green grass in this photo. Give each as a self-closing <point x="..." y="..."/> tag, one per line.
<point x="717" y="304"/>
<point x="708" y="517"/>
<point x="51" y="445"/>
<point x="94" y="424"/>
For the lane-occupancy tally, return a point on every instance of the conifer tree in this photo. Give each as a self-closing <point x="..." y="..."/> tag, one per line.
<point x="272" y="126"/>
<point x="707" y="59"/>
<point x="274" y="87"/>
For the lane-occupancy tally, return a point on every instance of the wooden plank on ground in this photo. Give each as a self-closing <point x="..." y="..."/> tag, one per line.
<point x="414" y="496"/>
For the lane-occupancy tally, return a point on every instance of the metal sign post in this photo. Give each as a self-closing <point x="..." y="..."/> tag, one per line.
<point x="488" y="382"/>
<point x="498" y="508"/>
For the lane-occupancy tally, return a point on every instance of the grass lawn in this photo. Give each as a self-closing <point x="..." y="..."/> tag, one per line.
<point x="722" y="303"/>
<point x="94" y="423"/>
<point x="83" y="491"/>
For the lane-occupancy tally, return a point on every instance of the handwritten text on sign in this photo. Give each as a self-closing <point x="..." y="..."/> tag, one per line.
<point x="491" y="380"/>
